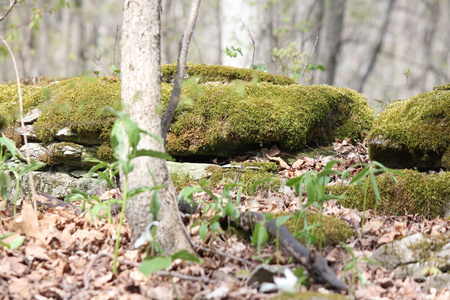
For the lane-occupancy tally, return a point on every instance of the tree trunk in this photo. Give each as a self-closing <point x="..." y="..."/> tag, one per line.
<point x="378" y="45"/>
<point x="141" y="95"/>
<point x="332" y="43"/>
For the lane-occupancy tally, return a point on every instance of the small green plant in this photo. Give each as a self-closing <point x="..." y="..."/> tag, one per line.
<point x="107" y="172"/>
<point x="313" y="183"/>
<point x="352" y="266"/>
<point x="233" y="51"/>
<point x="114" y="70"/>
<point x="17" y="170"/>
<point x="125" y="129"/>
<point x="370" y="170"/>
<point x="406" y="73"/>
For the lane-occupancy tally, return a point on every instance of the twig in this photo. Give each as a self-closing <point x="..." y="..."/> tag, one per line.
<point x="309" y="59"/>
<point x="11" y="5"/>
<point x="225" y="255"/>
<point x="253" y="42"/>
<point x="25" y="140"/>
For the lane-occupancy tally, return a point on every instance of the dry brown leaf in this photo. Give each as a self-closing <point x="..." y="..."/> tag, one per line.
<point x="373" y="226"/>
<point x="37" y="252"/>
<point x="20" y="287"/>
<point x="400" y="227"/>
<point x="109" y="194"/>
<point x="280" y="162"/>
<point x="388" y="237"/>
<point x="298" y="163"/>
<point x="27" y="223"/>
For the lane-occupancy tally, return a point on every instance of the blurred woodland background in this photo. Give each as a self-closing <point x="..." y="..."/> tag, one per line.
<point x="385" y="49"/>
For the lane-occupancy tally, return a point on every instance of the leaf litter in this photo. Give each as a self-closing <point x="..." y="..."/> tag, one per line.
<point x="69" y="256"/>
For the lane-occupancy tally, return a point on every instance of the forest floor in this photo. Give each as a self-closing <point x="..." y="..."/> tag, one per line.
<point x="70" y="256"/>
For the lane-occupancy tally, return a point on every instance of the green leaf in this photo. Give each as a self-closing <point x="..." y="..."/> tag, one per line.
<point x="9" y="144"/>
<point x="133" y="132"/>
<point x="282" y="219"/>
<point x="155" y="206"/>
<point x="260" y="236"/>
<point x="203" y="230"/>
<point x="185" y="255"/>
<point x="153" y="153"/>
<point x="34" y="165"/>
<point x="135" y="191"/>
<point x="150" y="266"/>
<point x="16" y="243"/>
<point x="76" y="197"/>
<point x="360" y="175"/>
<point x="230" y="209"/>
<point x="375" y="187"/>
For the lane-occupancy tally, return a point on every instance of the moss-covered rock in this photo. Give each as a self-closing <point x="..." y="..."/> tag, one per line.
<point x="225" y="74"/>
<point x="77" y="104"/>
<point x="229" y="119"/>
<point x="331" y="230"/>
<point x="32" y="95"/>
<point x="416" y="193"/>
<point x="414" y="133"/>
<point x="219" y="119"/>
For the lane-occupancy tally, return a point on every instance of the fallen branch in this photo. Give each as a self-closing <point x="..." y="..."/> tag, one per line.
<point x="315" y="264"/>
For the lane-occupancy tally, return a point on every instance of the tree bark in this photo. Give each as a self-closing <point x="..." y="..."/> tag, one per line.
<point x="141" y="95"/>
<point x="181" y="68"/>
<point x="331" y="45"/>
<point x="378" y="44"/>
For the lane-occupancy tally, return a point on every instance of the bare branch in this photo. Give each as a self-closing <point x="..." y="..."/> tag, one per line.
<point x="253" y="42"/>
<point x="309" y="59"/>
<point x="181" y="68"/>
<point x="25" y="140"/>
<point x="11" y="5"/>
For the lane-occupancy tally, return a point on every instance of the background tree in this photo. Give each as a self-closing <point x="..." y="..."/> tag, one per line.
<point x="141" y="96"/>
<point x="410" y="34"/>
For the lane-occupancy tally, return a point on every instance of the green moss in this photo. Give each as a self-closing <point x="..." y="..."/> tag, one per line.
<point x="13" y="135"/>
<point x="310" y="296"/>
<point x="442" y="87"/>
<point x="32" y="95"/>
<point x="417" y="130"/>
<point x="214" y="73"/>
<point x="106" y="153"/>
<point x="239" y="117"/>
<point x="77" y="103"/>
<point x="416" y="193"/>
<point x="211" y="119"/>
<point x="248" y="175"/>
<point x="183" y="180"/>
<point x="425" y="248"/>
<point x="333" y="231"/>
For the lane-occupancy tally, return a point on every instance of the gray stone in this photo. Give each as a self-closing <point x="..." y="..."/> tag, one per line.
<point x="37" y="152"/>
<point x="66" y="135"/>
<point x="71" y="154"/>
<point x="194" y="170"/>
<point x="57" y="184"/>
<point x="412" y="255"/>
<point x="32" y="116"/>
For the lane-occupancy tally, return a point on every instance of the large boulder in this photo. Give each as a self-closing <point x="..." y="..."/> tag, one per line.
<point x="414" y="193"/>
<point x="414" y="133"/>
